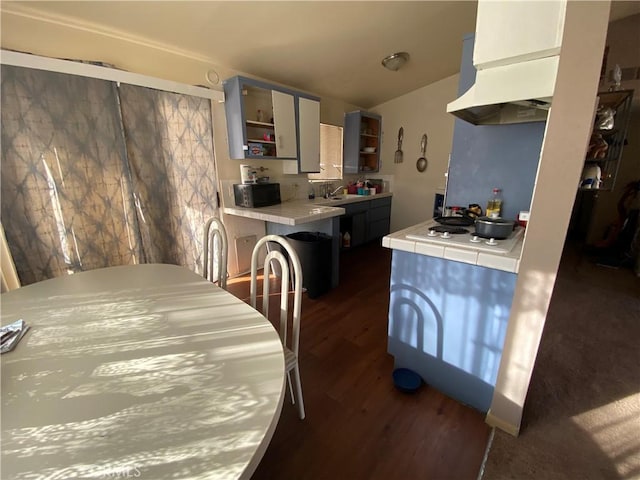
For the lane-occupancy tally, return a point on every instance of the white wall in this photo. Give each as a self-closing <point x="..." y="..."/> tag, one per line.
<point x="418" y="112"/>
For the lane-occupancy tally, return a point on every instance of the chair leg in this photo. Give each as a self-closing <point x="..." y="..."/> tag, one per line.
<point x="299" y="392"/>
<point x="293" y="399"/>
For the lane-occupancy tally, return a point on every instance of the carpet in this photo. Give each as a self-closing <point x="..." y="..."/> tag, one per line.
<point x="582" y="414"/>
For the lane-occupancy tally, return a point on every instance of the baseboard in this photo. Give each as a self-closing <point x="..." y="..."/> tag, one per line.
<point x="501" y="424"/>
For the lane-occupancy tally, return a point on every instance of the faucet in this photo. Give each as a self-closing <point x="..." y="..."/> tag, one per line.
<point x="332" y="194"/>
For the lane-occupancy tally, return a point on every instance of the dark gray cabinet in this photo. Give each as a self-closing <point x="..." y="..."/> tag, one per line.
<point x="378" y="219"/>
<point x="366" y="220"/>
<point x="362" y="142"/>
<point x="354" y="221"/>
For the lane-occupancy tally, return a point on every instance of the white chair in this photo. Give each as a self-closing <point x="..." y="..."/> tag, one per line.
<point x="289" y="342"/>
<point x="215" y="252"/>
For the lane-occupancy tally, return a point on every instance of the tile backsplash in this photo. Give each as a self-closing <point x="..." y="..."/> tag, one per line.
<point x="297" y="187"/>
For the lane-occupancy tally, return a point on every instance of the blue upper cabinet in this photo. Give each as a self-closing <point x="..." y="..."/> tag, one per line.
<point x="264" y="122"/>
<point x="362" y="142"/>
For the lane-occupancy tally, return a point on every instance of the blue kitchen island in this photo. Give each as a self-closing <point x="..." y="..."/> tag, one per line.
<point x="448" y="314"/>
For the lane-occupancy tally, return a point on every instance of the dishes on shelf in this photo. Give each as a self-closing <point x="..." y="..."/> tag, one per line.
<point x="362" y="141"/>
<point x="261" y="139"/>
<point x="604" y="152"/>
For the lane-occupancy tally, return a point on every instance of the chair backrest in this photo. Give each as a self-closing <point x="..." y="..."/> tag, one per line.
<point x="275" y="255"/>
<point x="215" y="252"/>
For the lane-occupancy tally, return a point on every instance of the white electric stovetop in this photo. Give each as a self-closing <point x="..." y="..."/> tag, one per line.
<point x="465" y="240"/>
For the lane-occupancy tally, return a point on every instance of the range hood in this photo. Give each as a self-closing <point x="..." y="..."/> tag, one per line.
<point x="514" y="93"/>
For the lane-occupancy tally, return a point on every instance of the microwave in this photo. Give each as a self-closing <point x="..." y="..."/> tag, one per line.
<point x="255" y="195"/>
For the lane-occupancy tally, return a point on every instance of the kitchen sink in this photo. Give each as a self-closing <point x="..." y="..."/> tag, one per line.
<point x="339" y="199"/>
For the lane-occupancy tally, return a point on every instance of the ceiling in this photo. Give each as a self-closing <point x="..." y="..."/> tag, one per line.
<point x="329" y="48"/>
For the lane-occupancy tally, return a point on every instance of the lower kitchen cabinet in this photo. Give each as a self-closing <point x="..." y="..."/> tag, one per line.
<point x="367" y="220"/>
<point x="379" y="217"/>
<point x="354" y="221"/>
<point x="358" y="228"/>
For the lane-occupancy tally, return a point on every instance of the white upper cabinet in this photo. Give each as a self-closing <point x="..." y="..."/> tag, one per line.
<point x="284" y="120"/>
<point x="516" y="31"/>
<point x="309" y="135"/>
<point x="330" y="166"/>
<point x="265" y="121"/>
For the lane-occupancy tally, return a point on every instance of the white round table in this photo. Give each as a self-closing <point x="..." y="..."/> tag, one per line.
<point x="144" y="371"/>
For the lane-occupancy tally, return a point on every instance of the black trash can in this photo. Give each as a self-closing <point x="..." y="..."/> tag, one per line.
<point x="314" y="251"/>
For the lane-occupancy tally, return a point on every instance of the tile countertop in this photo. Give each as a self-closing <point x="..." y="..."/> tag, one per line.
<point x="507" y="262"/>
<point x="346" y="199"/>
<point x="297" y="212"/>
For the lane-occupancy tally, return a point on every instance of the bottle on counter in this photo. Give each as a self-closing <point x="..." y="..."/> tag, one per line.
<point x="312" y="193"/>
<point x="494" y="205"/>
<point x="346" y="240"/>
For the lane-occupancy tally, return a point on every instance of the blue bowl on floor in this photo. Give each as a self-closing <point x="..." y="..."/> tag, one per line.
<point x="406" y="380"/>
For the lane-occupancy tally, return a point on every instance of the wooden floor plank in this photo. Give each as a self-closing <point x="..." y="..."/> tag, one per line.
<point x="358" y="425"/>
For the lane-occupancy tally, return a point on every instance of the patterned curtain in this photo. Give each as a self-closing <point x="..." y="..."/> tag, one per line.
<point x="77" y="196"/>
<point x="66" y="198"/>
<point x="170" y="149"/>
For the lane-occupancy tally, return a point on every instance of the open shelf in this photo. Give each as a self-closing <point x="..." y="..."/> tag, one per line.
<point x="255" y="123"/>
<point x="606" y="145"/>
<point x="362" y="130"/>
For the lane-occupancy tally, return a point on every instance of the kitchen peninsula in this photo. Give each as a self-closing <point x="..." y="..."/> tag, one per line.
<point x="449" y="307"/>
<point x="317" y="215"/>
<point x="504" y="255"/>
<point x="450" y="299"/>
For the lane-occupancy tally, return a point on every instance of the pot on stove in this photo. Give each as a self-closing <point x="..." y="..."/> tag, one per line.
<point x="493" y="227"/>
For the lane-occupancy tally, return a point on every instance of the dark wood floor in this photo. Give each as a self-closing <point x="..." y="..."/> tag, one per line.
<point x="358" y="425"/>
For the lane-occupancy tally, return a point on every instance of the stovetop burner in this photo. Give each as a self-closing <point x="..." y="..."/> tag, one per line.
<point x="449" y="229"/>
<point x="449" y="236"/>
